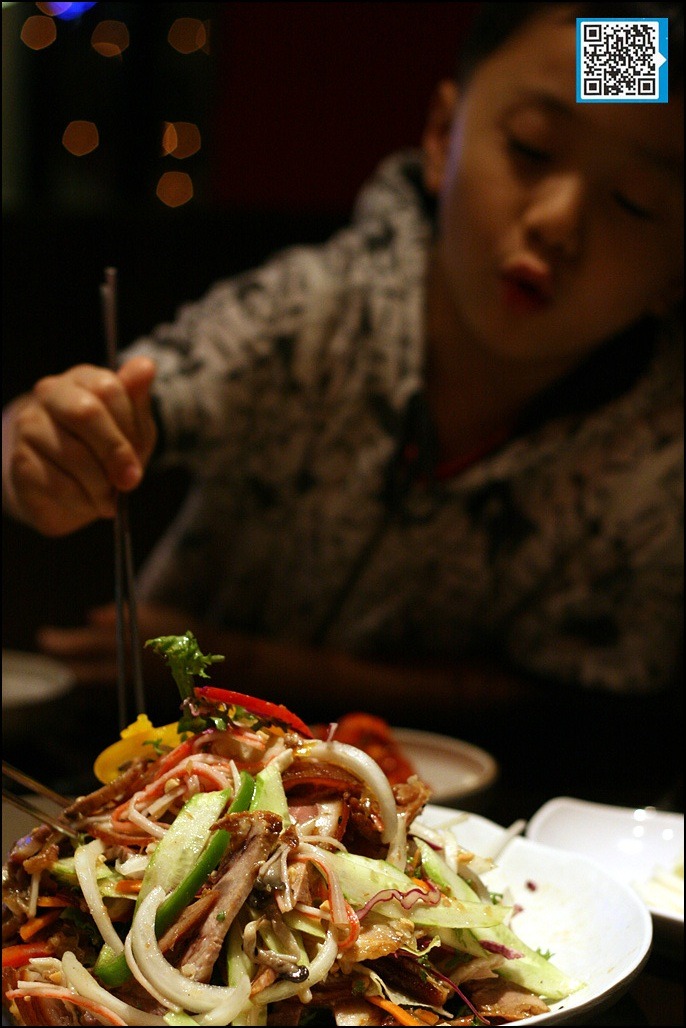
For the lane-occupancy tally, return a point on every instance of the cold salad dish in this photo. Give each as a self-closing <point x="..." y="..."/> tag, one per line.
<point x="234" y="869"/>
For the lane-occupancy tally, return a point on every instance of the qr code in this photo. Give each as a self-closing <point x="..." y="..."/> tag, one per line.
<point x="622" y="60"/>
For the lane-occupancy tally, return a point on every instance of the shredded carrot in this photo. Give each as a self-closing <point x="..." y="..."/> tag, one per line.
<point x="401" y="1016"/>
<point x="37" y="924"/>
<point x="262" y="980"/>
<point x="422" y="884"/>
<point x="54" y="901"/>
<point x="427" y="1017"/>
<point x="129" y="888"/>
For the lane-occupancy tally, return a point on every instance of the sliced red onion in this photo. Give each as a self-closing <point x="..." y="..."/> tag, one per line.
<point x="458" y="992"/>
<point x="498" y="947"/>
<point x="406" y="899"/>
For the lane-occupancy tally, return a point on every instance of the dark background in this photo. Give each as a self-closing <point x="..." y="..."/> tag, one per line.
<point x="296" y="103"/>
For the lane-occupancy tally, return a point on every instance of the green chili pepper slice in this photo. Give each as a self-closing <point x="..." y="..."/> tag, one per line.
<point x="112" y="968"/>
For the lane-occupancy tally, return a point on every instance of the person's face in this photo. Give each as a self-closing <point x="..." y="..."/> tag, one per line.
<point x="560" y="222"/>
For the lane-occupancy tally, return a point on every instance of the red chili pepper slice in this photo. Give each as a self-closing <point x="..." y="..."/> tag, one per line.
<point x="17" y="956"/>
<point x="260" y="708"/>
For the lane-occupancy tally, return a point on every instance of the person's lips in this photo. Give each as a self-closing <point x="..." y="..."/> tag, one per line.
<point x="526" y="287"/>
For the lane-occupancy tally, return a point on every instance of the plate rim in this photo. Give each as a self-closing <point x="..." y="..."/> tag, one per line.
<point x="488" y="764"/>
<point x="56" y="674"/>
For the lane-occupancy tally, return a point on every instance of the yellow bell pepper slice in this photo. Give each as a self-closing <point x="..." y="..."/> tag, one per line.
<point x="137" y="740"/>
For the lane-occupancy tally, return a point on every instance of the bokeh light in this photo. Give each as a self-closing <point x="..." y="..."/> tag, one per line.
<point x="65" y="11"/>
<point x="175" y="188"/>
<point x="188" y="35"/>
<point x="37" y="32"/>
<point x="110" y="38"/>
<point x="81" y="138"/>
<point x="53" y="9"/>
<point x="67" y="76"/>
<point x="180" y="139"/>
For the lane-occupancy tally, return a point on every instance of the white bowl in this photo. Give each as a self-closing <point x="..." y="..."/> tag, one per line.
<point x="631" y="844"/>
<point x="597" y="928"/>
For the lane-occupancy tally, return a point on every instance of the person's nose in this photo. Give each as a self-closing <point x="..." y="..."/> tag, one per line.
<point x="553" y="218"/>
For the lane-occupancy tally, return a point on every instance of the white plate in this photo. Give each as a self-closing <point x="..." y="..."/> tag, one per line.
<point x="631" y="844"/>
<point x="29" y="678"/>
<point x="451" y="768"/>
<point x="597" y="928"/>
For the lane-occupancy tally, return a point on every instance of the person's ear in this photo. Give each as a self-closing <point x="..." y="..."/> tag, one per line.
<point x="436" y="136"/>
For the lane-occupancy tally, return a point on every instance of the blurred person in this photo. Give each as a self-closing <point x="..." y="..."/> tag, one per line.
<point x="437" y="461"/>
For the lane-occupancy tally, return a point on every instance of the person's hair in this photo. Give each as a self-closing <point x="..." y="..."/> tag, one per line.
<point x="494" y="23"/>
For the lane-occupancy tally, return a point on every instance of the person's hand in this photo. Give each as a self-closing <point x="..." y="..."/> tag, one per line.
<point x="90" y="651"/>
<point x="73" y="441"/>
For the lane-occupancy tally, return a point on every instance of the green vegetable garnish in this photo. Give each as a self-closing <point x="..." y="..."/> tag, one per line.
<point x="185" y="660"/>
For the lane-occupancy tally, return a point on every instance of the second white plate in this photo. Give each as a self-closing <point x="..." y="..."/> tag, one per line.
<point x="451" y="768"/>
<point x="631" y="844"/>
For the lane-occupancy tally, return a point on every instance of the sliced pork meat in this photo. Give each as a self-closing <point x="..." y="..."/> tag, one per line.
<point x="230" y="893"/>
<point x="496" y="997"/>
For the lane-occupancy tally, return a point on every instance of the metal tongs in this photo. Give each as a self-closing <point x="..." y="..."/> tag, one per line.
<point x="128" y="644"/>
<point x="124" y="581"/>
<point x="41" y="816"/>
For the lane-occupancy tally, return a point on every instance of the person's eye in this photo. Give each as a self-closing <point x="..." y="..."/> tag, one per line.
<point x="633" y="209"/>
<point x="523" y="150"/>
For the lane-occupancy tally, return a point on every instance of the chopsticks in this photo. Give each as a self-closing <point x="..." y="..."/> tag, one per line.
<point x="128" y="642"/>
<point x="42" y="817"/>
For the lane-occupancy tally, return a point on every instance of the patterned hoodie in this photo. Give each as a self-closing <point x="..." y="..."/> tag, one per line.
<point x="292" y="392"/>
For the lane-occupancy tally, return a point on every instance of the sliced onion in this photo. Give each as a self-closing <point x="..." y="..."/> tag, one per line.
<point x="160" y="806"/>
<point x="134" y="866"/>
<point x="85" y="865"/>
<point x="143" y="981"/>
<point x="33" y="893"/>
<point x="397" y="853"/>
<point x="144" y="823"/>
<point x="225" y="1013"/>
<point x="82" y="981"/>
<point x="368" y="771"/>
<point x="318" y="970"/>
<point x="189" y="995"/>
